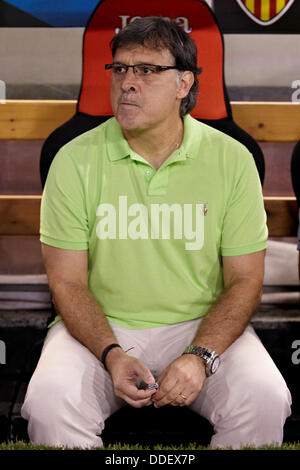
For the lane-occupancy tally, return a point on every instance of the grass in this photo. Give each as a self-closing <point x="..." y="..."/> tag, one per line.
<point x="21" y="445"/>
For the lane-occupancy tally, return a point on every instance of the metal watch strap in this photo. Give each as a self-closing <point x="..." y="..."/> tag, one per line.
<point x="209" y="356"/>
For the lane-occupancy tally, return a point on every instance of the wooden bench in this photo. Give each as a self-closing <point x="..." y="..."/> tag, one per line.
<point x="35" y="120"/>
<point x="19" y="215"/>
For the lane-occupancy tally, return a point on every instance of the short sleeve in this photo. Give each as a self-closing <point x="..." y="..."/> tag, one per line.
<point x="244" y="227"/>
<point x="64" y="221"/>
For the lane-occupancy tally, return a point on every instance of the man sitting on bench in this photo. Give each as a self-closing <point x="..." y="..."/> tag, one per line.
<point x="153" y="234"/>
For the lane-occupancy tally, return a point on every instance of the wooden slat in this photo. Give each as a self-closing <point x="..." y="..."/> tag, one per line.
<point x="33" y="120"/>
<point x="282" y="216"/>
<point x="270" y="122"/>
<point x="20" y="215"/>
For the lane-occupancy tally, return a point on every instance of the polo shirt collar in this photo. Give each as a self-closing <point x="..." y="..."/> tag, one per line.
<point x="118" y="147"/>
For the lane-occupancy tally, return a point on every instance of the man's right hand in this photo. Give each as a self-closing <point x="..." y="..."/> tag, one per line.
<point x="124" y="371"/>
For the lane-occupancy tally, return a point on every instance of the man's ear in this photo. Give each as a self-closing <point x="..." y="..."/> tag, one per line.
<point x="185" y="83"/>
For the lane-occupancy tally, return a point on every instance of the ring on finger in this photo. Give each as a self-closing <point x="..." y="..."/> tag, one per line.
<point x="182" y="396"/>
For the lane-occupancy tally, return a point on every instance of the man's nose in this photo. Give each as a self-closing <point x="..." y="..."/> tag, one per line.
<point x="129" y="81"/>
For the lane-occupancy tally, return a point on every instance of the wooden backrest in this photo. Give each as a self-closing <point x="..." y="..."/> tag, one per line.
<point x="20" y="215"/>
<point x="35" y="120"/>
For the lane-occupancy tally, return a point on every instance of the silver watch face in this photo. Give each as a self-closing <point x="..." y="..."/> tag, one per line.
<point x="215" y="364"/>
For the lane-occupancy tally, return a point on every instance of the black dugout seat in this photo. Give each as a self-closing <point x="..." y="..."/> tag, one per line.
<point x="295" y="171"/>
<point x="295" y="174"/>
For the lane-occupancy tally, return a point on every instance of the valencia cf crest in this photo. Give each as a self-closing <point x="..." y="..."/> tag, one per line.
<point x="265" y="12"/>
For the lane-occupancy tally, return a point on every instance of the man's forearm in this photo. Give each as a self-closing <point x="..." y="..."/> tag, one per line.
<point x="229" y="316"/>
<point x="83" y="316"/>
<point x="87" y="323"/>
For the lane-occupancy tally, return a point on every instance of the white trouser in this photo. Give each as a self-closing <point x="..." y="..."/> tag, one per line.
<point x="71" y="395"/>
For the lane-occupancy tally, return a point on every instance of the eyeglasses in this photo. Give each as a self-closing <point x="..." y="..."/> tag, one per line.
<point x="141" y="70"/>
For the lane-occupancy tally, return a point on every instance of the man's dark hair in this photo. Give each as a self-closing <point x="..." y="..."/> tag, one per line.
<point x="155" y="32"/>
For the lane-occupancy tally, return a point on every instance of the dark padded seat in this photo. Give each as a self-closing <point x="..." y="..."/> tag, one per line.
<point x="295" y="175"/>
<point x="295" y="171"/>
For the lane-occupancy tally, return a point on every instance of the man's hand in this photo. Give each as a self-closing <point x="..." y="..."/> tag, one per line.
<point x="124" y="371"/>
<point x="181" y="381"/>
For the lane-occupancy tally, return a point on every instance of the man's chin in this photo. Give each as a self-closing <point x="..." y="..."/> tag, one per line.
<point x="127" y="122"/>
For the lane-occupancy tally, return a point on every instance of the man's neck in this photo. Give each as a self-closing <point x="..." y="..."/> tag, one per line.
<point x="157" y="144"/>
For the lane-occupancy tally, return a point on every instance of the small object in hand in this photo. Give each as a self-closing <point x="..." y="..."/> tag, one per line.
<point x="152" y="386"/>
<point x="145" y="386"/>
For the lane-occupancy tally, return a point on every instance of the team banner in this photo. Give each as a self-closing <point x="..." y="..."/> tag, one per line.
<point x="234" y="16"/>
<point x="265" y="12"/>
<point x="258" y="16"/>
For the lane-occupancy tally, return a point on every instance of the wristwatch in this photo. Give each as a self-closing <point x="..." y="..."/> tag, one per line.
<point x="211" y="358"/>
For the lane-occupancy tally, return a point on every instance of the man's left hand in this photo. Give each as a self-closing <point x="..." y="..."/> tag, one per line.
<point x="180" y="382"/>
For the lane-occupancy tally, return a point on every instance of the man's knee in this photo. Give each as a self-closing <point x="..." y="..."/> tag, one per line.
<point x="46" y="400"/>
<point x="254" y="412"/>
<point x="274" y="397"/>
<point x="57" y="415"/>
<point x="264" y="397"/>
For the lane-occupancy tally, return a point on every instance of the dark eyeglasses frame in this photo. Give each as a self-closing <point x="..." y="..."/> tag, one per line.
<point x="158" y="68"/>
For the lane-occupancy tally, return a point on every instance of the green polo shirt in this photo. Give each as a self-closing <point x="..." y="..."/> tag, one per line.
<point x="155" y="238"/>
